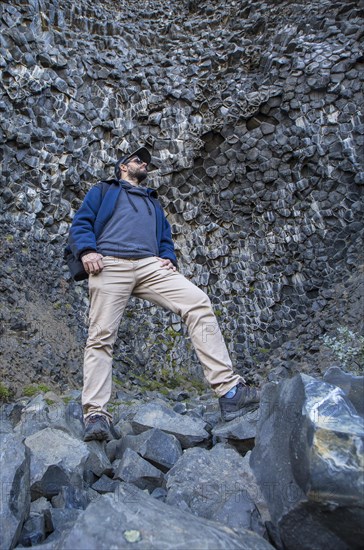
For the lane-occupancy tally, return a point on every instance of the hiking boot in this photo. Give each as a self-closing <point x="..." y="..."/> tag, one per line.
<point x="244" y="400"/>
<point x="97" y="427"/>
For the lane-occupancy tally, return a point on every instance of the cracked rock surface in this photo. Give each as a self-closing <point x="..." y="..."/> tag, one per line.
<point x="300" y="485"/>
<point x="252" y="112"/>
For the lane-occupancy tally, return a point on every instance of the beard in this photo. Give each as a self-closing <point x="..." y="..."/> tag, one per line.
<point x="138" y="173"/>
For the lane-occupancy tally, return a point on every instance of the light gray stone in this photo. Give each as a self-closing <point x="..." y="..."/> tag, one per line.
<point x="132" y="515"/>
<point x="307" y="461"/>
<point x="56" y="459"/>
<point x="203" y="481"/>
<point x="241" y="428"/>
<point x="134" y="469"/>
<point x="353" y="386"/>
<point x="157" y="447"/>
<point x="14" y="488"/>
<point x="189" y="431"/>
<point x="97" y="462"/>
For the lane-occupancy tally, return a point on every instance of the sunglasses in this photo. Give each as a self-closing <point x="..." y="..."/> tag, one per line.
<point x="136" y="159"/>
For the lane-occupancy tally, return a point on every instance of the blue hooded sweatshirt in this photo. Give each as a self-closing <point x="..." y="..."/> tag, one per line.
<point x="95" y="212"/>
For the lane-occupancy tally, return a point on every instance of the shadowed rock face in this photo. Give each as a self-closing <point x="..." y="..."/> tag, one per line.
<point x="160" y="526"/>
<point x="252" y="114"/>
<point x="308" y="463"/>
<point x="15" y="495"/>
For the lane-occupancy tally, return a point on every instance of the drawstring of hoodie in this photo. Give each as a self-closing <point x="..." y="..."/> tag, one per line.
<point x="133" y="205"/>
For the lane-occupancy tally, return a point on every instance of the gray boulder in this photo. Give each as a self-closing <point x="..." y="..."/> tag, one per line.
<point x="105" y="485"/>
<point x="56" y="459"/>
<point x="211" y="484"/>
<point x="6" y="425"/>
<point x="239" y="511"/>
<point x="34" y="417"/>
<point x="189" y="431"/>
<point x="353" y="386"/>
<point x="161" y="449"/>
<point x="71" y="498"/>
<point x="242" y="429"/>
<point x="307" y="461"/>
<point x="33" y="531"/>
<point x="37" y="414"/>
<point x="134" y="469"/>
<point x="97" y="462"/>
<point x="14" y="485"/>
<point x="131" y="516"/>
<point x="59" y="522"/>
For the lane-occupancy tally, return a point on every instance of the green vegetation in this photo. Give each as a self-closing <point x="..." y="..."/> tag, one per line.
<point x="113" y="405"/>
<point x="30" y="391"/>
<point x="66" y="399"/>
<point x="165" y="380"/>
<point x="348" y="348"/>
<point x="5" y="393"/>
<point x="116" y="381"/>
<point x="171" y="332"/>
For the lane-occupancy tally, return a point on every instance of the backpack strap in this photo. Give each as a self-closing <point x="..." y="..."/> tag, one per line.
<point x="105" y="186"/>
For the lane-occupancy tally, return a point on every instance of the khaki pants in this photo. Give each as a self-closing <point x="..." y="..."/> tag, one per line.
<point x="145" y="278"/>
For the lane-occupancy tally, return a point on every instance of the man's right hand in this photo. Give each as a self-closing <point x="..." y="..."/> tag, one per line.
<point x="92" y="263"/>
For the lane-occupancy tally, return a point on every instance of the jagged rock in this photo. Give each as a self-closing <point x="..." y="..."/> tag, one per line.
<point x="353" y="386"/>
<point x="59" y="522"/>
<point x="134" y="469"/>
<point x="33" y="531"/>
<point x="7" y="411"/>
<point x="154" y="525"/>
<point x="309" y="448"/>
<point x="105" y="485"/>
<point x="40" y="505"/>
<point x="56" y="460"/>
<point x="188" y="431"/>
<point x="204" y="483"/>
<point x="97" y="462"/>
<point x="161" y="449"/>
<point x="159" y="493"/>
<point x="239" y="511"/>
<point x="73" y="418"/>
<point x="71" y="498"/>
<point x="14" y="483"/>
<point x="241" y="428"/>
<point x="34" y="417"/>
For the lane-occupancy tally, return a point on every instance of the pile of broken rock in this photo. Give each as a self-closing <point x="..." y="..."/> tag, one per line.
<point x="286" y="476"/>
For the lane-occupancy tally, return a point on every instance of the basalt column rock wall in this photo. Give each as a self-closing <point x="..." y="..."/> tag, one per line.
<point x="252" y="112"/>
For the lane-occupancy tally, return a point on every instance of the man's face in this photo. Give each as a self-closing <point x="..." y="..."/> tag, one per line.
<point x="136" y="169"/>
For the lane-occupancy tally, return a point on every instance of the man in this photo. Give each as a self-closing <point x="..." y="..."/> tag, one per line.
<point x="124" y="241"/>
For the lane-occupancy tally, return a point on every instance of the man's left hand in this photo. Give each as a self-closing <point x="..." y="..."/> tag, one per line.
<point x="167" y="264"/>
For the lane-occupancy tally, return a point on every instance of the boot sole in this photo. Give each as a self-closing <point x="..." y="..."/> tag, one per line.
<point x="98" y="436"/>
<point x="227" y="417"/>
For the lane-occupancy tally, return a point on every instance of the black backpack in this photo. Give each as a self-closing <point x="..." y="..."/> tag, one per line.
<point x="75" y="266"/>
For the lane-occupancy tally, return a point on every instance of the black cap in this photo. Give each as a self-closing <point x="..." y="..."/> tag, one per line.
<point x="142" y="153"/>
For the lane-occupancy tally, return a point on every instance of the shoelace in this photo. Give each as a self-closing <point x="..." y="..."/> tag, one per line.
<point x="94" y="418"/>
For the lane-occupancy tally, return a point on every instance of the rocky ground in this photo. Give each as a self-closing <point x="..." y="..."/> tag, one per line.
<point x="286" y="475"/>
